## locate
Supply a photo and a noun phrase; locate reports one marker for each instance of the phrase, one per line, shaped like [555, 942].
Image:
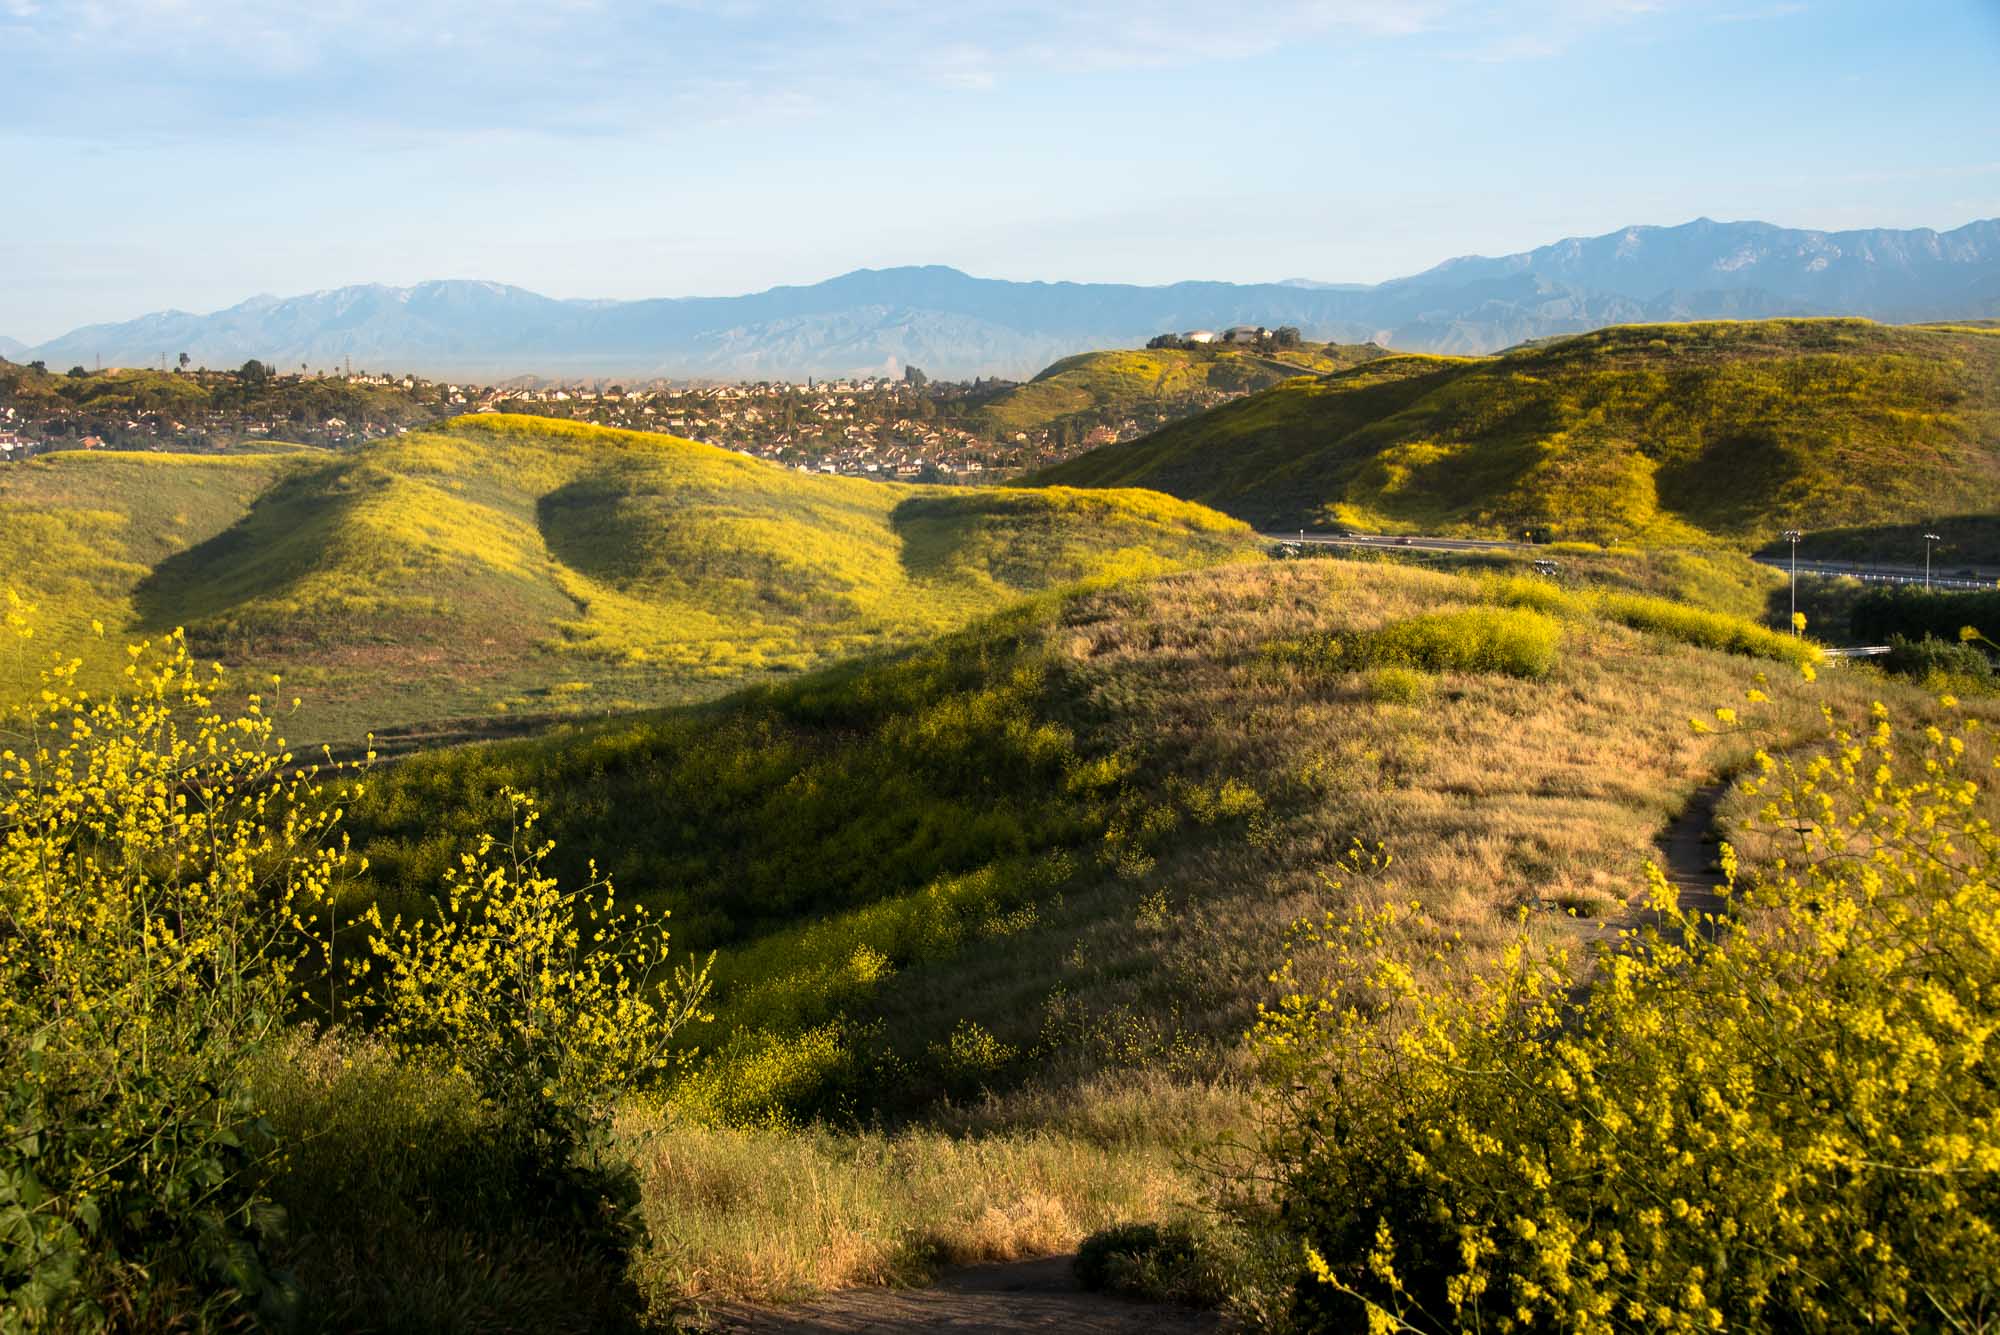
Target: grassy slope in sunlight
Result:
[1699, 433]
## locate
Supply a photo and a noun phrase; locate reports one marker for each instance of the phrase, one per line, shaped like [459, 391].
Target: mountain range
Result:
[952, 324]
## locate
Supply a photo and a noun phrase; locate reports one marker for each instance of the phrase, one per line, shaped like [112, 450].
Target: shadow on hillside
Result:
[1732, 481]
[933, 531]
[274, 543]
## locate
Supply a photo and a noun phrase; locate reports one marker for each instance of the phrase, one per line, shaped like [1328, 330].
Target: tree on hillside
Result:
[914, 375]
[77, 373]
[1287, 336]
[1164, 341]
[185, 359]
[254, 372]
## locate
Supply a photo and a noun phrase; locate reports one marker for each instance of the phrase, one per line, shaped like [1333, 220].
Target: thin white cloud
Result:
[594, 66]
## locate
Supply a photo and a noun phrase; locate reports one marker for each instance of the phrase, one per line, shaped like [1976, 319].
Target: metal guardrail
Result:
[1859, 651]
[1875, 577]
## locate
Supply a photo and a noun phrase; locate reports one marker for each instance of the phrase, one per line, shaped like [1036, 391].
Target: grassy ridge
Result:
[1657, 433]
[509, 563]
[1101, 384]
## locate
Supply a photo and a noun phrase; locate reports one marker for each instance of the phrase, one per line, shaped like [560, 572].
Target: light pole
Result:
[1929, 538]
[1792, 536]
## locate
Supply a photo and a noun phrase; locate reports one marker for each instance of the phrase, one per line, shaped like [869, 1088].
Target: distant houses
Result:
[1241, 335]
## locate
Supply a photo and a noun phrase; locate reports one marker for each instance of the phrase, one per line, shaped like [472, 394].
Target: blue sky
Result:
[189, 153]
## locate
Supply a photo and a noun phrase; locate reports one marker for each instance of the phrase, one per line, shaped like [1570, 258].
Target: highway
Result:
[1872, 572]
[1956, 576]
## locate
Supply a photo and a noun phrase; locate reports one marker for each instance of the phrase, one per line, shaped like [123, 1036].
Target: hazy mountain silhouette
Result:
[953, 324]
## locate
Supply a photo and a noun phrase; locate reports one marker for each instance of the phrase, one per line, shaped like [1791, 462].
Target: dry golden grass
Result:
[766, 1214]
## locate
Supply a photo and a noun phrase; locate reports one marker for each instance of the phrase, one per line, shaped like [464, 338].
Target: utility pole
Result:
[1929, 538]
[1792, 536]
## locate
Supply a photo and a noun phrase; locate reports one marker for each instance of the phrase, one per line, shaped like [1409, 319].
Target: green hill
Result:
[1655, 433]
[1015, 893]
[1095, 387]
[505, 563]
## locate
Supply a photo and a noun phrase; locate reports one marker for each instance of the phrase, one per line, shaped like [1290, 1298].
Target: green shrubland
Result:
[1881, 614]
[1659, 616]
[1662, 434]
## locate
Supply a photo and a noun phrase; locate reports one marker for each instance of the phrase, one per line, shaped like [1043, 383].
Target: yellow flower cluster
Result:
[170, 878]
[158, 862]
[1784, 1116]
[552, 1001]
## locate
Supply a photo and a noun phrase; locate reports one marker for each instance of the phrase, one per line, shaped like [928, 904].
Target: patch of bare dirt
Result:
[1009, 1299]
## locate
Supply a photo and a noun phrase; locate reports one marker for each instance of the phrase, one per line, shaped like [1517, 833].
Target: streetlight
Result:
[1792, 536]
[1929, 538]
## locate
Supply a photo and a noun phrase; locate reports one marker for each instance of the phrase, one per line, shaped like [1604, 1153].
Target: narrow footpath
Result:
[1010, 1299]
[1689, 850]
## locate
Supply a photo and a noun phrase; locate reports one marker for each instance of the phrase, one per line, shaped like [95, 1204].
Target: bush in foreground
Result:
[169, 881]
[1784, 1118]
[157, 865]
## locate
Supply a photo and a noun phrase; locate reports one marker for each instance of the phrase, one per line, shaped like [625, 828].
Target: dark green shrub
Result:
[1880, 615]
[1162, 1262]
[1921, 658]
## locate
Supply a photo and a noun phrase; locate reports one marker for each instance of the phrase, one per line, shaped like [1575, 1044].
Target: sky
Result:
[190, 153]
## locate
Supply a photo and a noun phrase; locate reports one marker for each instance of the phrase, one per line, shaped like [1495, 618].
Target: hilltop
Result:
[955, 325]
[1684, 433]
[1099, 388]
[505, 563]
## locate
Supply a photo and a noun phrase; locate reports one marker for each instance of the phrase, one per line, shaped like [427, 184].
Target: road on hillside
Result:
[1873, 572]
[1398, 542]
[1869, 572]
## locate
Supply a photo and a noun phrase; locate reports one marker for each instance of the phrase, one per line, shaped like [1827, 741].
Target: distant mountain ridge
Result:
[953, 324]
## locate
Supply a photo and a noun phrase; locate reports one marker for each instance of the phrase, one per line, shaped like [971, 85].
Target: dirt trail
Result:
[1688, 851]
[1010, 1299]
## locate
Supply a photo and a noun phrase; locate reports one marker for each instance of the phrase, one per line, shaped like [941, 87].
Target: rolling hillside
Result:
[1106, 386]
[507, 563]
[1653, 433]
[1014, 894]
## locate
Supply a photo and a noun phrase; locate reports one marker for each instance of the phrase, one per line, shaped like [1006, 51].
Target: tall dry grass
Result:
[776, 1213]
